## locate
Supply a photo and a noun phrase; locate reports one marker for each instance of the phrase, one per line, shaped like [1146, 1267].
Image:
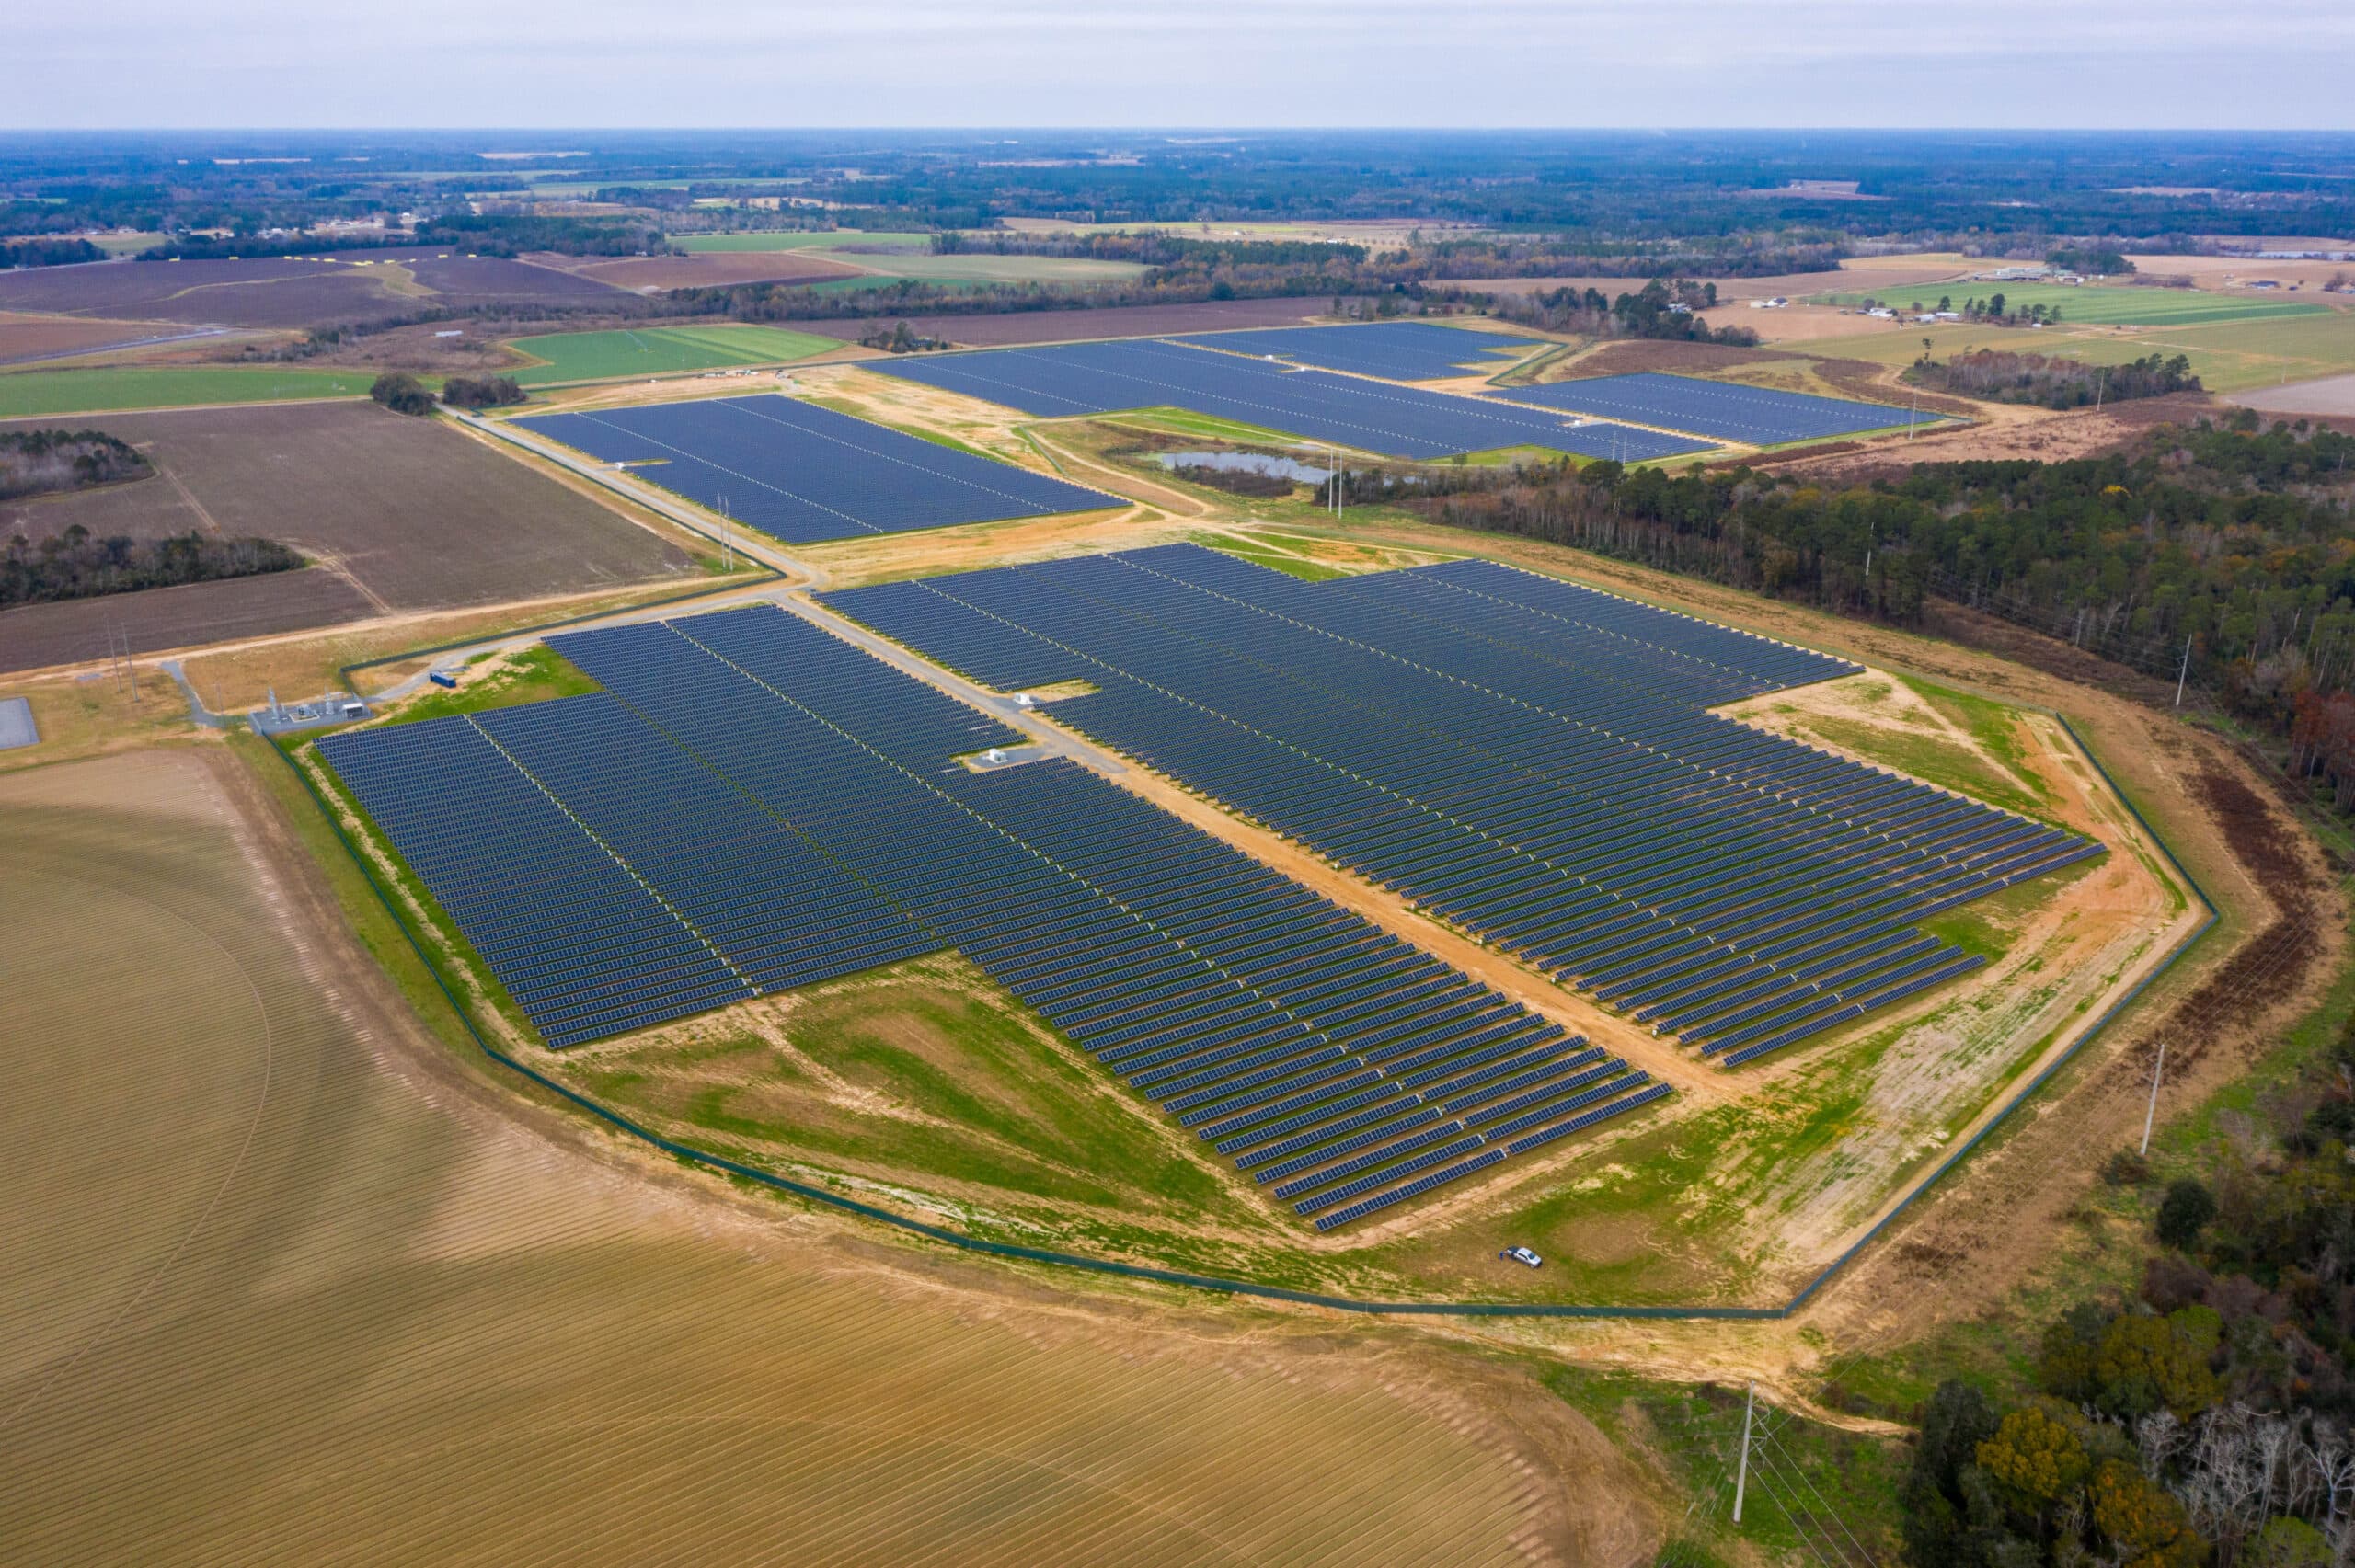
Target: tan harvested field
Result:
[400, 515]
[1071, 325]
[2332, 397]
[24, 336]
[705, 269]
[2233, 274]
[291, 1282]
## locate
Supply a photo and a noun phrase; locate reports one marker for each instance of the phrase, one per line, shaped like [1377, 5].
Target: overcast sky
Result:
[2123, 63]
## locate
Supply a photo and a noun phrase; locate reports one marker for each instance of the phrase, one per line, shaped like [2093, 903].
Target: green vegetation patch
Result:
[922, 1069]
[29, 393]
[536, 675]
[2091, 304]
[661, 350]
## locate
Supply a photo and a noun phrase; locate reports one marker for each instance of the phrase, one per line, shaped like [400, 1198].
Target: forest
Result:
[1997, 376]
[2212, 1409]
[2225, 553]
[77, 563]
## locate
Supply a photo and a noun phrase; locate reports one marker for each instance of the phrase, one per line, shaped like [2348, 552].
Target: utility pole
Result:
[2152, 1113]
[1742, 1474]
[2184, 673]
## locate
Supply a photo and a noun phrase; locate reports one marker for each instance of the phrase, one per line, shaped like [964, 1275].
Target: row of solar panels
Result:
[751, 804]
[804, 474]
[1418, 350]
[1349, 411]
[1482, 741]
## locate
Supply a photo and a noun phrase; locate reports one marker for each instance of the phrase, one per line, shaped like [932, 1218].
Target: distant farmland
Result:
[35, 393]
[799, 239]
[661, 350]
[2093, 306]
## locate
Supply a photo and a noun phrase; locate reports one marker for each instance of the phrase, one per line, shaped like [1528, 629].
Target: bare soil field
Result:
[410, 514]
[707, 269]
[78, 631]
[1071, 325]
[454, 278]
[262, 292]
[2331, 397]
[289, 1281]
[2231, 274]
[2002, 431]
[24, 336]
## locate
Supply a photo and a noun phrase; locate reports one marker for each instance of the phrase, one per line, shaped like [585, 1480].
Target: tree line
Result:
[76, 564]
[1996, 376]
[48, 253]
[2233, 545]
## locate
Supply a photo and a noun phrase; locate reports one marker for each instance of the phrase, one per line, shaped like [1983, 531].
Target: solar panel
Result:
[1529, 759]
[1396, 350]
[1759, 415]
[804, 474]
[751, 804]
[1403, 422]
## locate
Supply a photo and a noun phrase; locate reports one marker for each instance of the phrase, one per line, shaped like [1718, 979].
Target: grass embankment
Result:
[538, 674]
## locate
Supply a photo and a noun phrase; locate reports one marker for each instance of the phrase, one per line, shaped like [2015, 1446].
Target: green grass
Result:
[2092, 306]
[919, 1069]
[798, 239]
[661, 350]
[535, 676]
[36, 392]
[1291, 566]
[1182, 422]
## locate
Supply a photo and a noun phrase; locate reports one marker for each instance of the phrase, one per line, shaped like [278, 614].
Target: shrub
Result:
[2184, 1212]
[482, 392]
[402, 393]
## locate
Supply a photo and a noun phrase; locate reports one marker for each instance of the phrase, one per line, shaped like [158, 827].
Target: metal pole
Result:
[2152, 1113]
[1742, 1474]
[2184, 674]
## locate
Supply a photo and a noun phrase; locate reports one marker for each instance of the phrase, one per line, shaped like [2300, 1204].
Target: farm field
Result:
[660, 351]
[399, 514]
[274, 292]
[799, 239]
[263, 1179]
[26, 337]
[2231, 356]
[926, 267]
[33, 391]
[707, 268]
[1060, 326]
[2094, 305]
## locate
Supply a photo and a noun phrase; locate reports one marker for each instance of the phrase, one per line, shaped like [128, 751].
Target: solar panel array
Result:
[1529, 760]
[1761, 416]
[1405, 421]
[804, 474]
[1397, 351]
[752, 803]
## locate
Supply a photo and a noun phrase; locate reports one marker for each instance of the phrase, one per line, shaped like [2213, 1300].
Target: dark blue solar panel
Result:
[752, 803]
[1403, 421]
[1532, 760]
[804, 474]
[1759, 415]
[1397, 350]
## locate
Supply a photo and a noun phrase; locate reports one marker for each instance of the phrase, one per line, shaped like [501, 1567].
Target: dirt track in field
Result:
[290, 1280]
